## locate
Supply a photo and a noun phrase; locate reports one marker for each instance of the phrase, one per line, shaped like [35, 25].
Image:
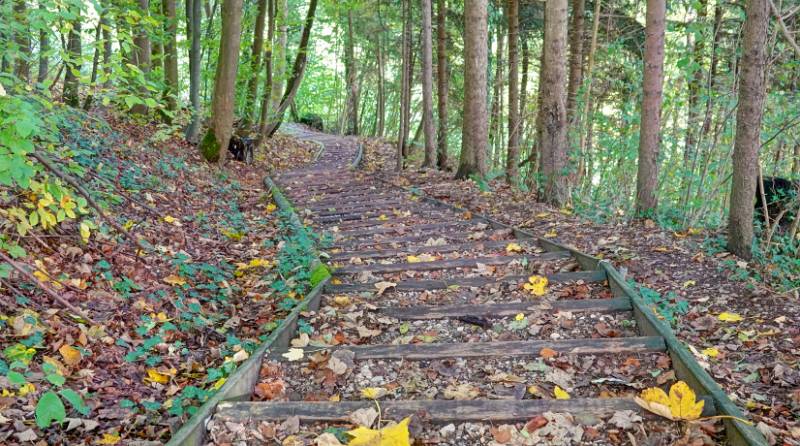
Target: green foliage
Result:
[49, 409]
[319, 274]
[209, 147]
[666, 307]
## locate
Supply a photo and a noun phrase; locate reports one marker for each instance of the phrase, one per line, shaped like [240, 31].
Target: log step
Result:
[422, 352]
[418, 249]
[446, 264]
[402, 229]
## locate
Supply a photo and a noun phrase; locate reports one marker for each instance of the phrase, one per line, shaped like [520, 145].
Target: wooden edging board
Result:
[738, 433]
[239, 385]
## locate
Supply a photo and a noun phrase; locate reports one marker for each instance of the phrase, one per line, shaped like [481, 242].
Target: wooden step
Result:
[422, 352]
[480, 245]
[422, 285]
[427, 312]
[452, 235]
[446, 264]
[435, 411]
[402, 229]
[346, 205]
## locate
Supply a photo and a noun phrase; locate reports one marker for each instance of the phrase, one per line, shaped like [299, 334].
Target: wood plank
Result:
[435, 411]
[481, 245]
[372, 217]
[427, 312]
[452, 235]
[422, 285]
[445, 264]
[402, 229]
[387, 209]
[421, 352]
[345, 204]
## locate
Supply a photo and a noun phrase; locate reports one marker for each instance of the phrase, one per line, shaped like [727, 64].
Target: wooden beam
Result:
[481, 245]
[420, 352]
[445, 264]
[403, 229]
[426, 312]
[422, 285]
[435, 411]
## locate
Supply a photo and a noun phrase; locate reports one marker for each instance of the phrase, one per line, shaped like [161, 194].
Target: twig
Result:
[786, 34]
[72, 182]
[45, 288]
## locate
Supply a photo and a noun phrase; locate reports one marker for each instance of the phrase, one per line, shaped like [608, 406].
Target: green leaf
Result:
[56, 379]
[319, 274]
[16, 378]
[49, 409]
[76, 401]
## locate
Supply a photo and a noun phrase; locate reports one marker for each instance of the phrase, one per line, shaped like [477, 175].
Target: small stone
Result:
[448, 430]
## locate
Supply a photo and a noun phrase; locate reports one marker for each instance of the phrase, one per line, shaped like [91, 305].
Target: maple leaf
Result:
[513, 247]
[109, 439]
[294, 354]
[711, 352]
[383, 217]
[174, 279]
[271, 207]
[373, 393]
[383, 286]
[396, 435]
[157, 376]
[71, 355]
[537, 285]
[680, 404]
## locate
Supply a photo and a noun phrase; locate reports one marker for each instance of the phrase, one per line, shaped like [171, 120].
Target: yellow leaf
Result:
[680, 404]
[396, 435]
[219, 383]
[341, 301]
[85, 232]
[711, 352]
[542, 214]
[730, 317]
[155, 376]
[383, 217]
[294, 354]
[71, 355]
[689, 283]
[373, 393]
[537, 285]
[513, 247]
[109, 439]
[26, 389]
[172, 220]
[271, 207]
[41, 276]
[560, 393]
[161, 317]
[173, 279]
[551, 234]
[519, 317]
[413, 259]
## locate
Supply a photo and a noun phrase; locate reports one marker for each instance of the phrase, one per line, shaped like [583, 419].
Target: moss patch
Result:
[209, 147]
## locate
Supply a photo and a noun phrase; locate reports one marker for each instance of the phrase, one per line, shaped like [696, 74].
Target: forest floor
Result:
[746, 335]
[163, 324]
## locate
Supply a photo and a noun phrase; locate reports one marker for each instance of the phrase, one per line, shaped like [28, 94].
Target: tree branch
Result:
[786, 34]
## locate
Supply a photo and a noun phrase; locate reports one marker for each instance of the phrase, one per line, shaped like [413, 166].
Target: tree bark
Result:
[748, 129]
[351, 77]
[575, 58]
[512, 158]
[279, 53]
[73, 64]
[297, 70]
[269, 86]
[87, 103]
[255, 62]
[650, 128]
[143, 52]
[405, 85]
[44, 48]
[523, 87]
[107, 48]
[442, 82]
[588, 99]
[554, 112]
[496, 126]
[194, 18]
[215, 144]
[475, 133]
[427, 85]
[22, 65]
[380, 125]
[171, 55]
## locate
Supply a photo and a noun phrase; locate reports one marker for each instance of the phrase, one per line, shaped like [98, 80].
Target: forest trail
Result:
[479, 332]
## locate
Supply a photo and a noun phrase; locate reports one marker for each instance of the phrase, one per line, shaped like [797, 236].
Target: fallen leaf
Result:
[373, 393]
[341, 301]
[537, 285]
[680, 404]
[560, 393]
[294, 354]
[513, 247]
[547, 353]
[711, 352]
[173, 279]
[109, 439]
[71, 355]
[383, 286]
[327, 439]
[730, 317]
[395, 435]
[364, 416]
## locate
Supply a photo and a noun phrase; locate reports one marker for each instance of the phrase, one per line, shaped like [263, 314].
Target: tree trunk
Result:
[380, 125]
[536, 153]
[87, 103]
[269, 86]
[73, 63]
[523, 87]
[475, 133]
[650, 127]
[297, 70]
[279, 53]
[194, 17]
[442, 82]
[496, 126]
[554, 112]
[107, 48]
[575, 58]
[22, 68]
[405, 85]
[584, 147]
[255, 62]
[512, 158]
[748, 129]
[427, 85]
[44, 48]
[215, 144]
[143, 52]
[171, 55]
[351, 77]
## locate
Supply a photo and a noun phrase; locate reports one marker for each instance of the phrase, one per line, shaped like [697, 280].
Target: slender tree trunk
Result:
[256, 54]
[405, 85]
[587, 96]
[575, 58]
[748, 129]
[171, 54]
[194, 18]
[351, 75]
[475, 133]
[269, 86]
[523, 87]
[496, 126]
[107, 48]
[554, 111]
[279, 53]
[512, 158]
[44, 49]
[427, 84]
[442, 82]
[536, 155]
[87, 103]
[22, 68]
[297, 70]
[380, 125]
[650, 128]
[215, 143]
[73, 64]
[143, 52]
